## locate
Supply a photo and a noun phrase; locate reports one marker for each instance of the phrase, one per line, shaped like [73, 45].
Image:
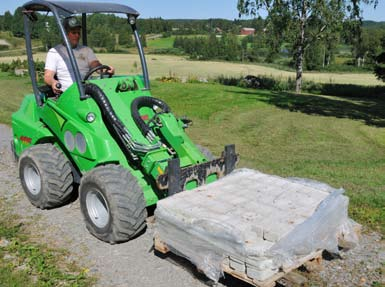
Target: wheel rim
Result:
[97, 208]
[32, 179]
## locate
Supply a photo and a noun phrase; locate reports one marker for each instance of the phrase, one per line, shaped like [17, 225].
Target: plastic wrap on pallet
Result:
[207, 242]
[312, 183]
[319, 232]
[198, 241]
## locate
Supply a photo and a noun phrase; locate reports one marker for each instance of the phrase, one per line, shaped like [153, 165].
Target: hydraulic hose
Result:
[104, 104]
[115, 124]
[149, 102]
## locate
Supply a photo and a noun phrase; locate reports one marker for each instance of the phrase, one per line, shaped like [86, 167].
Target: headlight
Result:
[90, 117]
[131, 19]
[69, 140]
[80, 143]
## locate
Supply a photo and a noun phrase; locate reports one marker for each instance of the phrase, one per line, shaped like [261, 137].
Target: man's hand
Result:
[49, 79]
[56, 87]
[97, 63]
[111, 71]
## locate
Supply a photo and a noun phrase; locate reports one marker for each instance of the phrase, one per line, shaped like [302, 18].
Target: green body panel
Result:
[173, 132]
[27, 129]
[63, 122]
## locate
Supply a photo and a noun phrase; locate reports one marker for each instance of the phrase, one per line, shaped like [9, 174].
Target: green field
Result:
[339, 141]
[161, 43]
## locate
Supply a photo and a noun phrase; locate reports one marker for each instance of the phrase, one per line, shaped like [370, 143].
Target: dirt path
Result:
[135, 264]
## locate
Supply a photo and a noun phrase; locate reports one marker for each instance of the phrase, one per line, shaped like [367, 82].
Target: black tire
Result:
[46, 176]
[206, 152]
[112, 204]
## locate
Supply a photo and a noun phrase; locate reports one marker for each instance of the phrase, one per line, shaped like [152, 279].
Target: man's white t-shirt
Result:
[57, 60]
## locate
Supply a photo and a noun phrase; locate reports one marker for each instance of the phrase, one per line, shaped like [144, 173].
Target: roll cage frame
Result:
[61, 10]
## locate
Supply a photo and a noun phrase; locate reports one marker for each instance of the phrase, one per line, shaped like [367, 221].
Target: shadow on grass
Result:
[351, 91]
[370, 110]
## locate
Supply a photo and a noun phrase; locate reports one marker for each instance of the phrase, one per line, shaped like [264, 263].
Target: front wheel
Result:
[112, 204]
[46, 176]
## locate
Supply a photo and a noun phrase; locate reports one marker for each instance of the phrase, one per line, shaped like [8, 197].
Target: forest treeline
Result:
[219, 39]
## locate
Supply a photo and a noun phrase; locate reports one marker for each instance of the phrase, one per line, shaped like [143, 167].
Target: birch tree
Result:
[302, 22]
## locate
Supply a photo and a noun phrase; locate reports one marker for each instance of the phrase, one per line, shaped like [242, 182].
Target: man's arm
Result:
[50, 81]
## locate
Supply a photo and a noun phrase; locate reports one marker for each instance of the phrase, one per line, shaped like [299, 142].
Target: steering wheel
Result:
[102, 72]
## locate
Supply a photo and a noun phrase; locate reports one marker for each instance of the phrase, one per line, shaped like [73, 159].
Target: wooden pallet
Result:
[313, 260]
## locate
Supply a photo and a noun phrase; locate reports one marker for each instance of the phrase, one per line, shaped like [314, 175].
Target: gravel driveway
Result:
[135, 264]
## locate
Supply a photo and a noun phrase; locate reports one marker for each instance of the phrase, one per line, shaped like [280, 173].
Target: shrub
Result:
[169, 79]
[282, 84]
[18, 64]
[379, 69]
[258, 82]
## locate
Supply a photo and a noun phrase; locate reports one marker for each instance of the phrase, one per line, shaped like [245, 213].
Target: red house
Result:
[247, 31]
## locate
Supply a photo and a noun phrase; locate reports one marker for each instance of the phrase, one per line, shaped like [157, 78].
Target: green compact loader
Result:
[106, 135]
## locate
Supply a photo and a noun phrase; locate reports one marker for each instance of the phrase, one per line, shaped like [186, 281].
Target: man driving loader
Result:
[57, 61]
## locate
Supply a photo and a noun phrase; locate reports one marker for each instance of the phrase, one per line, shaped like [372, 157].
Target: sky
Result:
[197, 9]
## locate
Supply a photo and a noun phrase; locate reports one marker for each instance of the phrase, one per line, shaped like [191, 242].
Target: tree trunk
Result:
[324, 58]
[299, 69]
[300, 49]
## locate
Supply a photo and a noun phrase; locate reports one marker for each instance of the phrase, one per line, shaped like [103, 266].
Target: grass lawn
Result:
[12, 92]
[340, 141]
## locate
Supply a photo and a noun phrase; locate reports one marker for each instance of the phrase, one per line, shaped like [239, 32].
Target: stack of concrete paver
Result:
[252, 222]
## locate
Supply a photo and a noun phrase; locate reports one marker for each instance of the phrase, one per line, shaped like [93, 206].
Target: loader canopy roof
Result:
[69, 8]
[64, 9]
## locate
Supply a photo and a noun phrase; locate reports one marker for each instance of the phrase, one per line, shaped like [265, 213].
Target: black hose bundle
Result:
[149, 102]
[111, 120]
[104, 104]
[115, 125]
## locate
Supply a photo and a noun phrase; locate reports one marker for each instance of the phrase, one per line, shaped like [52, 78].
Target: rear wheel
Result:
[112, 203]
[46, 176]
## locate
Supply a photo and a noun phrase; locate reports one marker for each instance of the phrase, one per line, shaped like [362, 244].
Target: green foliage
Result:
[367, 45]
[154, 25]
[274, 41]
[258, 82]
[226, 47]
[302, 23]
[125, 38]
[17, 26]
[8, 19]
[47, 31]
[19, 64]
[314, 57]
[143, 40]
[279, 84]
[101, 37]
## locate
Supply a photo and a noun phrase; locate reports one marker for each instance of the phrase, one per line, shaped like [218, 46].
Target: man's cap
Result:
[71, 23]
